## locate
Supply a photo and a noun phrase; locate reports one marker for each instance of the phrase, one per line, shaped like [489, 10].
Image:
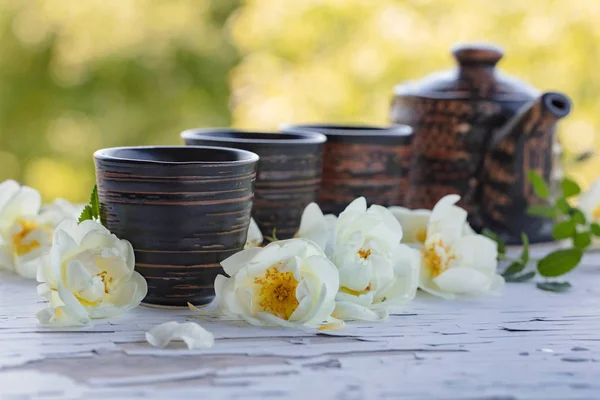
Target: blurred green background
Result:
[76, 76]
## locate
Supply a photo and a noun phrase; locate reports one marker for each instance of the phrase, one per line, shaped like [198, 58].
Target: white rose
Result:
[376, 271]
[414, 225]
[287, 283]
[24, 238]
[453, 263]
[88, 274]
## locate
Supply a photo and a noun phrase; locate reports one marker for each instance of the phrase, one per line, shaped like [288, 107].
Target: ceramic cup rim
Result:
[107, 154]
[350, 130]
[217, 134]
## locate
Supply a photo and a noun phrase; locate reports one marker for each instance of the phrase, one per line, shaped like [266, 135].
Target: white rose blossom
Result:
[287, 283]
[26, 228]
[377, 272]
[453, 263]
[23, 237]
[414, 224]
[88, 274]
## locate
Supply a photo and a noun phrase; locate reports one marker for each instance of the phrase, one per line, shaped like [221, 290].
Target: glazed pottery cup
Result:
[288, 177]
[364, 161]
[184, 210]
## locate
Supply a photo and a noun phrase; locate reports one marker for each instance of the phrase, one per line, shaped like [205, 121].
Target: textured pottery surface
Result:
[184, 210]
[361, 161]
[288, 177]
[476, 133]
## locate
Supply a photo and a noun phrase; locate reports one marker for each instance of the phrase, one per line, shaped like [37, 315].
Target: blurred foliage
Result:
[338, 60]
[76, 76]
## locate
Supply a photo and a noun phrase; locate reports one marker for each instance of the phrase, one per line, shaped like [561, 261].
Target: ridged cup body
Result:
[362, 161]
[184, 210]
[288, 177]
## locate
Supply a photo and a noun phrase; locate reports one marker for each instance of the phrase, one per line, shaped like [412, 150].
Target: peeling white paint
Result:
[525, 344]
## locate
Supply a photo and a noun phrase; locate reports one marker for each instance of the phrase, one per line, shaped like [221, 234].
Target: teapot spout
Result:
[524, 143]
[533, 119]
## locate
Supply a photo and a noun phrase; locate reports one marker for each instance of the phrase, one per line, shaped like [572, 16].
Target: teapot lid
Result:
[474, 78]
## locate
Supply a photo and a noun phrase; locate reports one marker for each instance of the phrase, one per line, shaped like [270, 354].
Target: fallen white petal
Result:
[194, 336]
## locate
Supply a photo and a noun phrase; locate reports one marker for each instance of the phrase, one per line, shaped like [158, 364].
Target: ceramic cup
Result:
[184, 210]
[288, 177]
[364, 161]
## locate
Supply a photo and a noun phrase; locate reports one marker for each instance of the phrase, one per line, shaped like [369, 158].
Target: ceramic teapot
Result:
[477, 133]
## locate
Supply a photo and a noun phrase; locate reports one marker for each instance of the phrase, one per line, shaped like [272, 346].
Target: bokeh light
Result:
[78, 76]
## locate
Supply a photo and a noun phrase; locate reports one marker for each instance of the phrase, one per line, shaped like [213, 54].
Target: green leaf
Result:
[520, 278]
[494, 236]
[554, 286]
[578, 217]
[582, 240]
[525, 252]
[559, 262]
[513, 269]
[542, 211]
[95, 202]
[563, 206]
[570, 188]
[595, 229]
[563, 230]
[92, 210]
[85, 214]
[539, 184]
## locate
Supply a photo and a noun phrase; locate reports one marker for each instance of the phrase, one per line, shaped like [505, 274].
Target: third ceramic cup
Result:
[289, 172]
[367, 161]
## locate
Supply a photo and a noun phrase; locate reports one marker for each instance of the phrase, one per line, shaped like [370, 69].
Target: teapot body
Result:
[477, 133]
[450, 138]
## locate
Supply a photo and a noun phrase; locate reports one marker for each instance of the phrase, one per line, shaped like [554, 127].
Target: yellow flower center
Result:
[596, 213]
[364, 254]
[277, 293]
[20, 246]
[433, 261]
[421, 236]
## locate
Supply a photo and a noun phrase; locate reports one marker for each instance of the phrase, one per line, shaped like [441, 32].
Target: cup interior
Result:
[176, 154]
[238, 136]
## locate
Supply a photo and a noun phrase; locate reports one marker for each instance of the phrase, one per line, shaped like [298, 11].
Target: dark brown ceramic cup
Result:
[184, 210]
[359, 161]
[288, 177]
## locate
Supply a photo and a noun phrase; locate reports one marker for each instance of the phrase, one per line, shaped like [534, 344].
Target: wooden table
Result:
[527, 344]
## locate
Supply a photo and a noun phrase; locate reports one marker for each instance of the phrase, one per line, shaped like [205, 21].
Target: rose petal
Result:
[26, 202]
[232, 264]
[348, 311]
[194, 336]
[462, 280]
[254, 237]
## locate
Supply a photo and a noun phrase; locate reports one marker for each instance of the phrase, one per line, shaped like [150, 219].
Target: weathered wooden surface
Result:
[527, 344]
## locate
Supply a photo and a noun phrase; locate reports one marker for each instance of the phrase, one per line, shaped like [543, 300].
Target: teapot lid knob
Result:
[474, 54]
